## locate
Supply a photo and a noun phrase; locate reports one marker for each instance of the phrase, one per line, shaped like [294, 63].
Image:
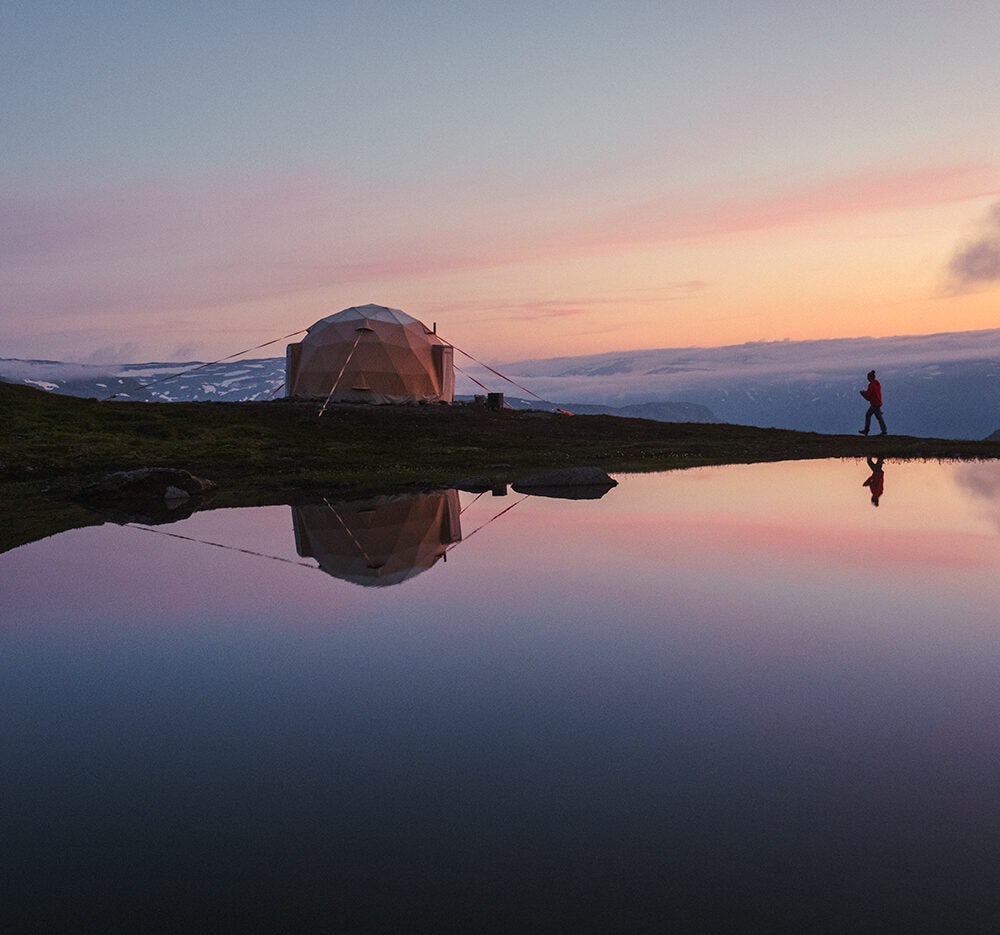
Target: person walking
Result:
[874, 396]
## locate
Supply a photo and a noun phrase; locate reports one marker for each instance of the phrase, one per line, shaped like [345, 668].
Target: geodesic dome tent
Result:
[370, 353]
[379, 542]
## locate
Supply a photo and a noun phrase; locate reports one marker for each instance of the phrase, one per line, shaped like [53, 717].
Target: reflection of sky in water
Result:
[714, 695]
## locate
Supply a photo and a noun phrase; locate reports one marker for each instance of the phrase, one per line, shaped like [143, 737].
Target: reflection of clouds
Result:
[982, 481]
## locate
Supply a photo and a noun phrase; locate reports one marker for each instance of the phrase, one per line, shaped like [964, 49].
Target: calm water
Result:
[720, 700]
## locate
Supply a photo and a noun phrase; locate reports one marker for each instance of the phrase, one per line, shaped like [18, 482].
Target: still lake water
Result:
[735, 699]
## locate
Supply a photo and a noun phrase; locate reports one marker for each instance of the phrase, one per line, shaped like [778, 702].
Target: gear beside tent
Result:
[373, 354]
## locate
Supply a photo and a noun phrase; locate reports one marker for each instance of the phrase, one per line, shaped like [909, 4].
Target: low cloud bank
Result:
[943, 386]
[774, 359]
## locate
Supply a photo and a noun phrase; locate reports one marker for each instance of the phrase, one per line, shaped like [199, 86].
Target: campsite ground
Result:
[273, 452]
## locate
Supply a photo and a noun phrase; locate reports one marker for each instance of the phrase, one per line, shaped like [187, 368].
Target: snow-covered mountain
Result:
[72, 379]
[942, 385]
[233, 381]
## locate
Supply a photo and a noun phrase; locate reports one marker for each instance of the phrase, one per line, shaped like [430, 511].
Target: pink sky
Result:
[650, 179]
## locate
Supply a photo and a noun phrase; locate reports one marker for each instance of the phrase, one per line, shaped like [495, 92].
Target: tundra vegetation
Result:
[54, 447]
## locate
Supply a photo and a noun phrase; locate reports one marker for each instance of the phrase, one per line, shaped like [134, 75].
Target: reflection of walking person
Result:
[874, 396]
[877, 481]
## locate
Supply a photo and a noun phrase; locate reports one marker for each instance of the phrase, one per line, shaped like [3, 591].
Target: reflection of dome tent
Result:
[370, 353]
[382, 541]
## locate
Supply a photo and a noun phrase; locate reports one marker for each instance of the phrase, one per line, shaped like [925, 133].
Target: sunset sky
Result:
[184, 180]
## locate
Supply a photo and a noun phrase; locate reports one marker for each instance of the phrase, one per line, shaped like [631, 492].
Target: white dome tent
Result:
[373, 354]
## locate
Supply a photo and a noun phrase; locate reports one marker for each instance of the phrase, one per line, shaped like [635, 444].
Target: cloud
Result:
[977, 263]
[535, 311]
[113, 353]
[569, 307]
[583, 230]
[187, 351]
[982, 482]
[673, 218]
[168, 245]
[148, 251]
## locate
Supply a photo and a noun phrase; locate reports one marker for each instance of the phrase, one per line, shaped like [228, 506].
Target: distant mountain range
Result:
[943, 385]
[249, 380]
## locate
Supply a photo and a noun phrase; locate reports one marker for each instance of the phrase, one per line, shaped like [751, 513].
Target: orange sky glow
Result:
[651, 179]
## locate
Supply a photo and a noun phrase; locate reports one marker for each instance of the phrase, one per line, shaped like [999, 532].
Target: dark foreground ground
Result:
[52, 447]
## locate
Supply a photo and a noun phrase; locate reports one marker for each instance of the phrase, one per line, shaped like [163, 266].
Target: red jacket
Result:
[876, 482]
[874, 393]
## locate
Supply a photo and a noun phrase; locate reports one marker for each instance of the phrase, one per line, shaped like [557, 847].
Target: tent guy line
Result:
[388, 356]
[506, 509]
[499, 374]
[361, 549]
[221, 545]
[336, 382]
[212, 363]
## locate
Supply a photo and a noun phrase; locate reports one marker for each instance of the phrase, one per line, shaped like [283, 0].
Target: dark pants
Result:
[877, 412]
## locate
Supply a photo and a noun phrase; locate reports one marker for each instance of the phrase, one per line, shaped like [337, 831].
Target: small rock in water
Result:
[579, 483]
[148, 484]
[567, 477]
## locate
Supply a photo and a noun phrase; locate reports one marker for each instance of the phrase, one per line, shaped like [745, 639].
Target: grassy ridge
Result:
[51, 446]
[284, 445]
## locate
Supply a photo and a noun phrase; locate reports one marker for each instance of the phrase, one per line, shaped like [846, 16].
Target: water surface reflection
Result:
[876, 483]
[382, 541]
[691, 706]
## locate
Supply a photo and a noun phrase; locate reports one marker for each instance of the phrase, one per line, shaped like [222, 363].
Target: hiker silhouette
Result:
[874, 396]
